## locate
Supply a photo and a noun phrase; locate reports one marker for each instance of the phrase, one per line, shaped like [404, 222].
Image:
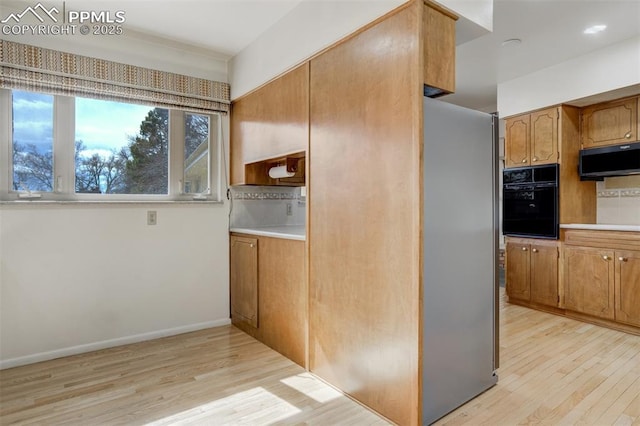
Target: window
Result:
[32, 142]
[88, 149]
[196, 154]
[121, 148]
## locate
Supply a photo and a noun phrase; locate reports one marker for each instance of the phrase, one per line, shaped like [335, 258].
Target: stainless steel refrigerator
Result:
[460, 328]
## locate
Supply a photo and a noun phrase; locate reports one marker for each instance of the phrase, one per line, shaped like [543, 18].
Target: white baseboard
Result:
[89, 347]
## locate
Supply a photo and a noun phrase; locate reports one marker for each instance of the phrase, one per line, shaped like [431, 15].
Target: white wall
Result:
[307, 29]
[98, 275]
[79, 277]
[133, 48]
[479, 12]
[314, 25]
[603, 70]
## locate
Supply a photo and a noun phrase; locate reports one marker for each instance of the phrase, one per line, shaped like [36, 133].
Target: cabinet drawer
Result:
[616, 240]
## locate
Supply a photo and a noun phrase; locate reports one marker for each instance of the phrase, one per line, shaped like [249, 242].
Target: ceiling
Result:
[551, 32]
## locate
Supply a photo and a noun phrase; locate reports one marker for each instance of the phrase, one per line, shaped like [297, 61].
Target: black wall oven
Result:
[530, 201]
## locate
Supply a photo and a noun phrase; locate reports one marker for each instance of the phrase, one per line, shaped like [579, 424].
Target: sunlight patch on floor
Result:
[248, 407]
[306, 384]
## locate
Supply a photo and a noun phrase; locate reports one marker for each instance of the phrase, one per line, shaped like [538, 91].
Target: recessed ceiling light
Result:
[595, 29]
[512, 42]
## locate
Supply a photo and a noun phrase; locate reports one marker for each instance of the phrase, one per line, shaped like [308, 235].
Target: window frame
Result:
[64, 157]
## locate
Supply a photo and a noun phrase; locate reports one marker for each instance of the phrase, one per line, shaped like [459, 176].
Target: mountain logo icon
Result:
[38, 11]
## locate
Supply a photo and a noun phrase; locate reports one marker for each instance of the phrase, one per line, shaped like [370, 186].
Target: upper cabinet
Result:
[544, 137]
[439, 44]
[610, 123]
[532, 139]
[270, 123]
[517, 141]
[547, 136]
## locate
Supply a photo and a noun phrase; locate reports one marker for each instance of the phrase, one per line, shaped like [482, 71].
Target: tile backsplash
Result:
[617, 205]
[256, 206]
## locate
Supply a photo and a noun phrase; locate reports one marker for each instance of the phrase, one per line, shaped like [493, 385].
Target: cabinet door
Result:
[517, 275]
[244, 280]
[517, 141]
[283, 297]
[544, 137]
[610, 123]
[270, 122]
[544, 275]
[589, 281]
[628, 287]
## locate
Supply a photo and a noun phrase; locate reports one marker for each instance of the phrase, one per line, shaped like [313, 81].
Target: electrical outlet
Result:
[152, 217]
[289, 209]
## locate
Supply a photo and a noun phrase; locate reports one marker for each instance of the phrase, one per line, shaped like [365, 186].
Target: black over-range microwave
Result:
[616, 160]
[530, 201]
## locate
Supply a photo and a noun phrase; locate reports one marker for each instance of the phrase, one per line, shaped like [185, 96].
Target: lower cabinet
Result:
[589, 281]
[532, 270]
[244, 280]
[268, 280]
[627, 287]
[602, 276]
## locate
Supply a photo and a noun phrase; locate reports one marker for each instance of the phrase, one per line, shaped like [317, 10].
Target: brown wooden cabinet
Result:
[532, 271]
[601, 277]
[547, 136]
[627, 287]
[283, 297]
[270, 122]
[363, 95]
[518, 275]
[544, 137]
[244, 281]
[589, 281]
[544, 274]
[517, 141]
[269, 292]
[439, 46]
[532, 139]
[610, 123]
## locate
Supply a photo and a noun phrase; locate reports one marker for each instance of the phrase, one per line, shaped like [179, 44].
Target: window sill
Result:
[107, 202]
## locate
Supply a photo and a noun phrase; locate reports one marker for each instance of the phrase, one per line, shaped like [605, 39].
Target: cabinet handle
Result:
[524, 249]
[535, 250]
[524, 160]
[535, 159]
[628, 135]
[606, 257]
[622, 259]
[251, 245]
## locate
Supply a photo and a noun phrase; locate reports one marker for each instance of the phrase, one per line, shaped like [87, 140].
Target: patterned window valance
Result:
[33, 68]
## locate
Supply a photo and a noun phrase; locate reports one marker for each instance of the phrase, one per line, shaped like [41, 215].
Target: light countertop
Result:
[289, 232]
[601, 227]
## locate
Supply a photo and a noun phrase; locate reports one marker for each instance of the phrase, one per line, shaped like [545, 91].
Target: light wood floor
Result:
[557, 371]
[553, 371]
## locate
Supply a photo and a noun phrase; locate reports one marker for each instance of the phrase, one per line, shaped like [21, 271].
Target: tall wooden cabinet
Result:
[610, 123]
[362, 116]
